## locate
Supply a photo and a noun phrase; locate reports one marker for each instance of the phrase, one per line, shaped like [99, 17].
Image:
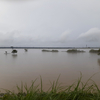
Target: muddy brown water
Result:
[27, 66]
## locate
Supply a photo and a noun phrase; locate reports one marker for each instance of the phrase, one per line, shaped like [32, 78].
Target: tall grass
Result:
[77, 91]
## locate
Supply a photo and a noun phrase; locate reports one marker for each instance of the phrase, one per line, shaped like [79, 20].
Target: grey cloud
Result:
[17, 38]
[16, 0]
[41, 22]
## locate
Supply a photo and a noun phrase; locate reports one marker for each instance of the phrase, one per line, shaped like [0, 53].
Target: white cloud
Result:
[92, 35]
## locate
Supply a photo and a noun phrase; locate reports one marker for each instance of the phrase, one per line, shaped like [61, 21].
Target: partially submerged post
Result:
[26, 50]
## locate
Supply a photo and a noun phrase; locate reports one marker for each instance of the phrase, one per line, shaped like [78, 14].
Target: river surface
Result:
[27, 66]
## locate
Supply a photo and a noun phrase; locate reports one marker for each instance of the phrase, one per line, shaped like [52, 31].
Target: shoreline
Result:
[49, 47]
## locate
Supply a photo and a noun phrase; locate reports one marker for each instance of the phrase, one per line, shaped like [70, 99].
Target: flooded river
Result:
[27, 66]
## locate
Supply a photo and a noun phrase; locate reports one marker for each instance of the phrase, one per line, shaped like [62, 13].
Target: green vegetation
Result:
[46, 50]
[14, 51]
[76, 91]
[50, 50]
[75, 51]
[94, 51]
[54, 51]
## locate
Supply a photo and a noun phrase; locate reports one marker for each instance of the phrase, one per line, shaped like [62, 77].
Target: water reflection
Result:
[14, 55]
[99, 62]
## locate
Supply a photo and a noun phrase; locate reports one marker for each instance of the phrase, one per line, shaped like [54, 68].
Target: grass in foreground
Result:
[76, 91]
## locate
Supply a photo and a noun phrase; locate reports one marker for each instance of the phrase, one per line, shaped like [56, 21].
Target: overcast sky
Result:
[50, 22]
